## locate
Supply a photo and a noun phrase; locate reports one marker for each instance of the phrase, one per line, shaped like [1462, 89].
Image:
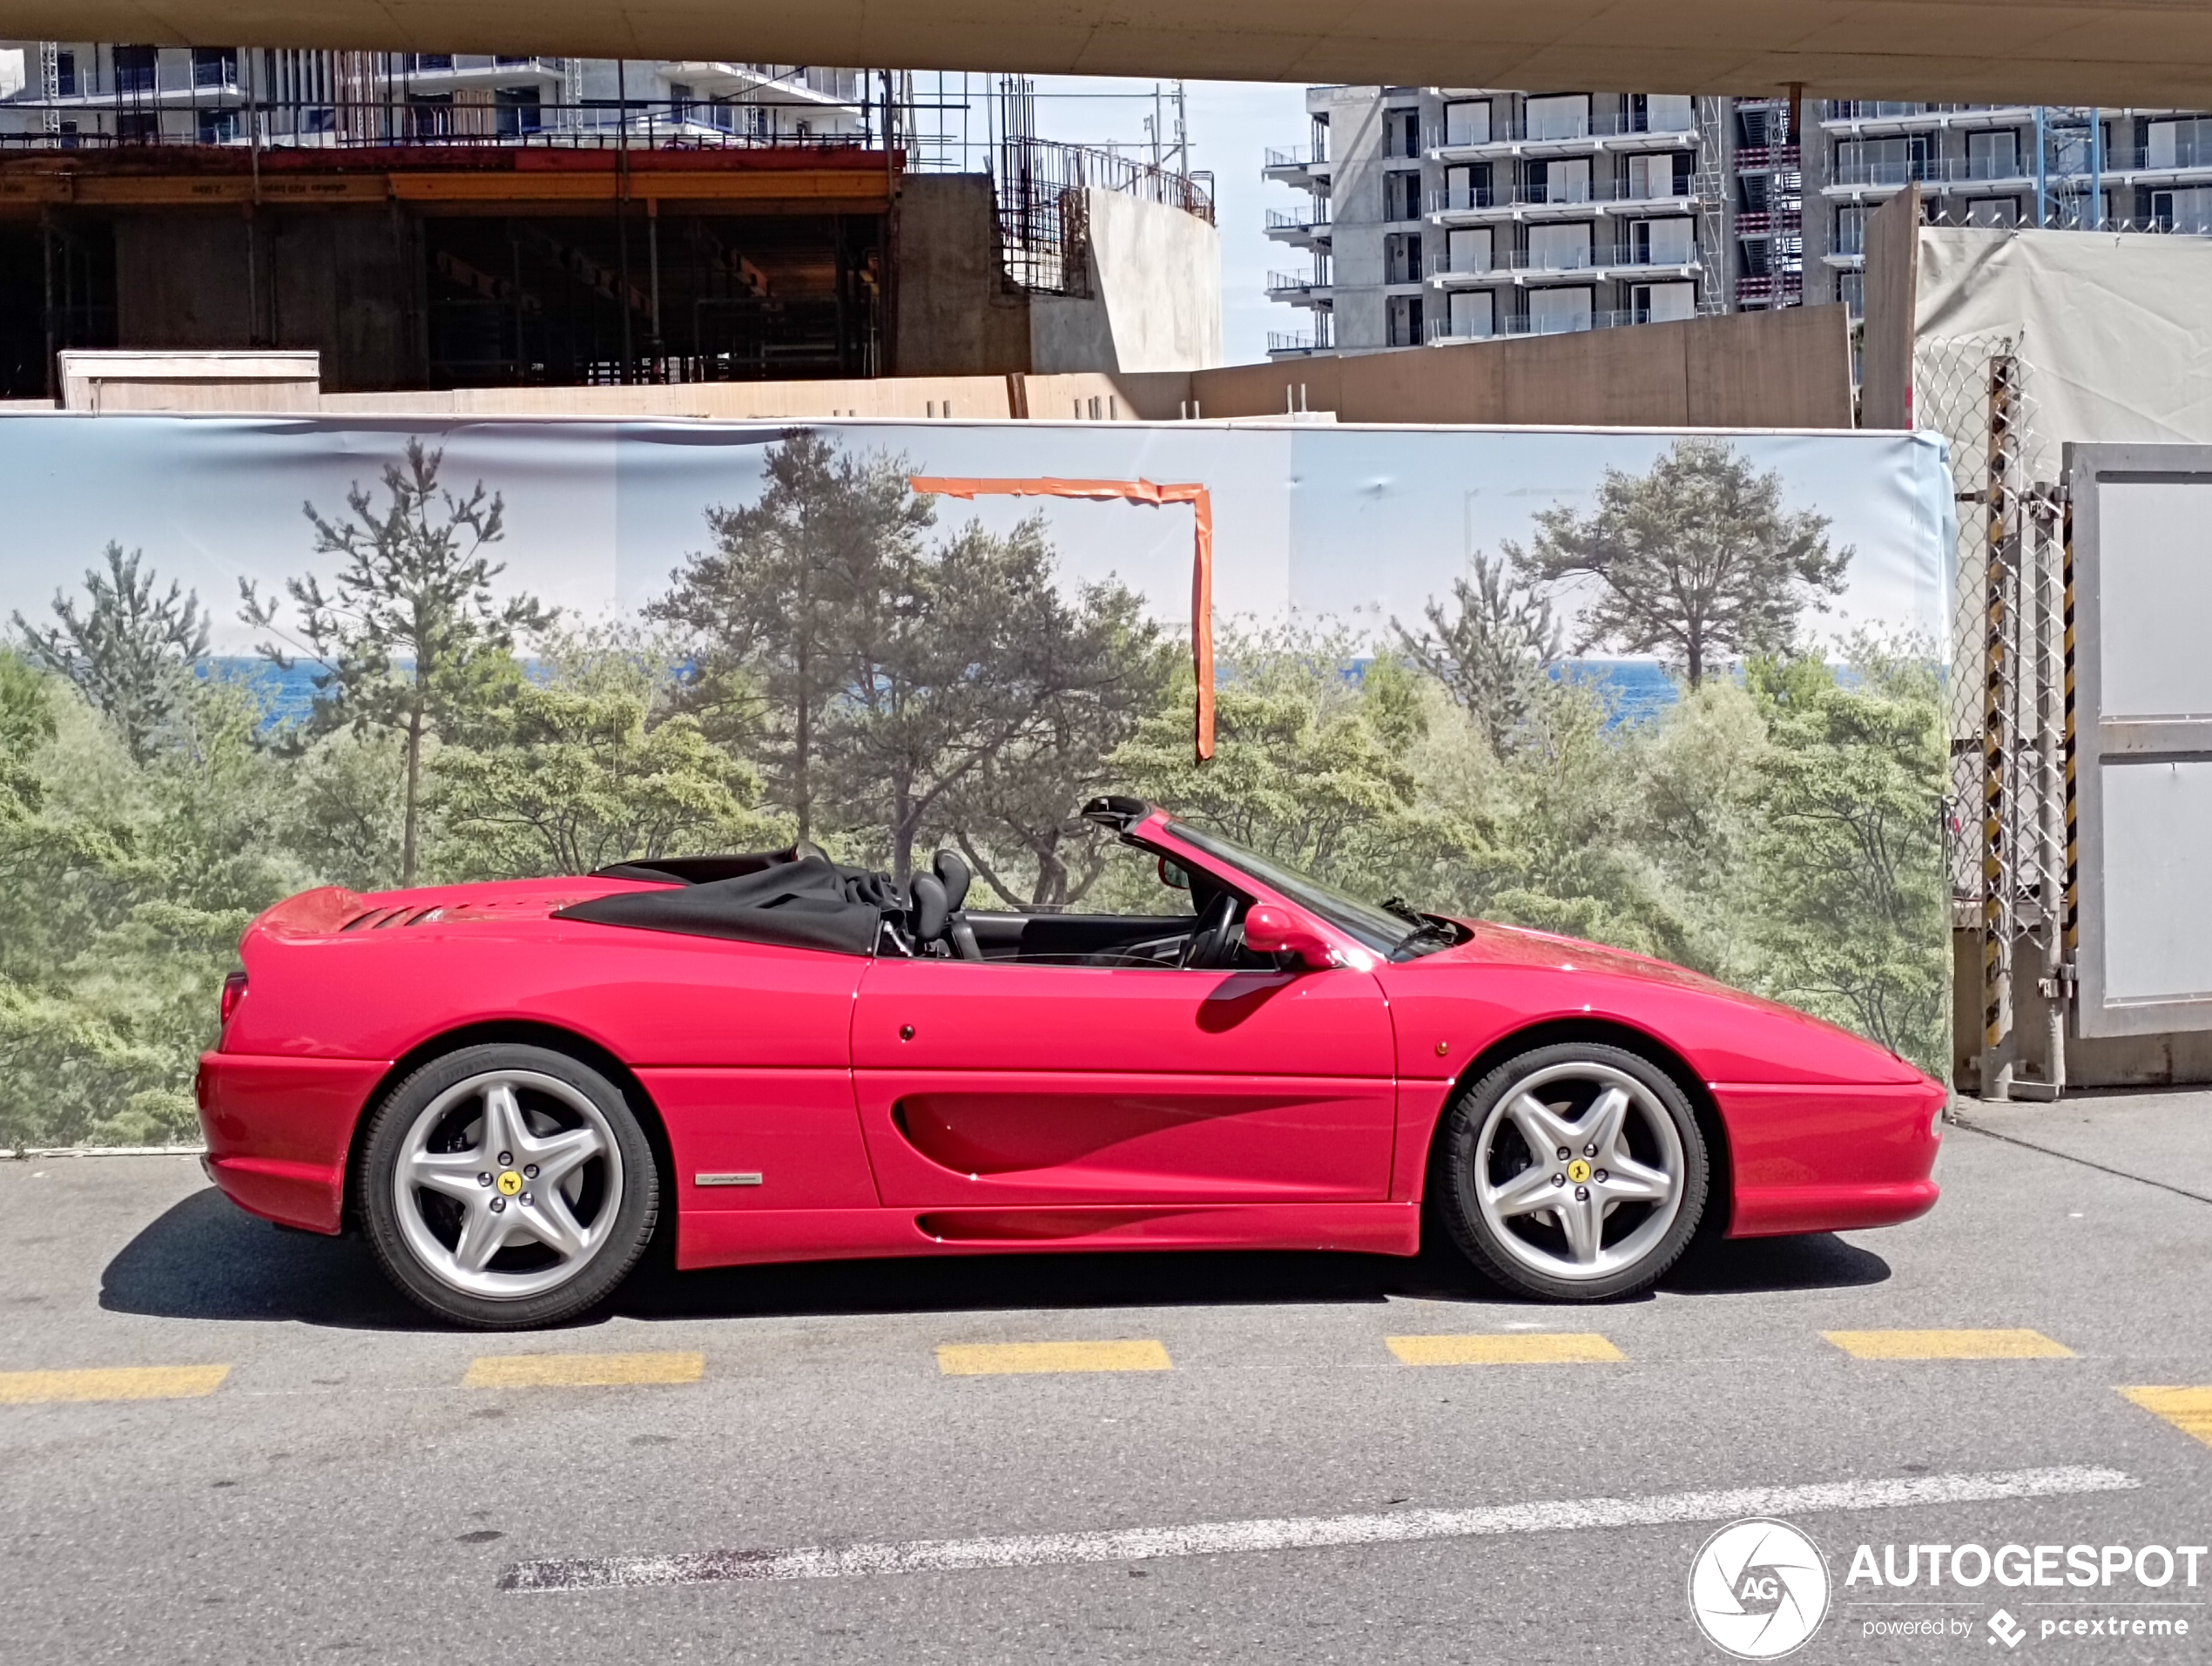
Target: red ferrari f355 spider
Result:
[507, 1086]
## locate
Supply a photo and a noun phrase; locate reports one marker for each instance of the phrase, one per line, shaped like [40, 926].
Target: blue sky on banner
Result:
[1353, 523]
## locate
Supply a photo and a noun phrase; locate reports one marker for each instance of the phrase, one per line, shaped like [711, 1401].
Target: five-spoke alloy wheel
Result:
[1574, 1172]
[508, 1186]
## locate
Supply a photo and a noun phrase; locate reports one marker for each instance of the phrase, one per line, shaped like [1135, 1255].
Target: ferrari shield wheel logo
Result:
[509, 1184]
[1758, 1589]
[1578, 1172]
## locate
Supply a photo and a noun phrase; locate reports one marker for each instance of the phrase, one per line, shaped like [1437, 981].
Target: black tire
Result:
[552, 1098]
[1520, 1240]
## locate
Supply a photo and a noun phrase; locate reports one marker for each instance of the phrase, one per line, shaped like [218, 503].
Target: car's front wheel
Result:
[507, 1186]
[1574, 1172]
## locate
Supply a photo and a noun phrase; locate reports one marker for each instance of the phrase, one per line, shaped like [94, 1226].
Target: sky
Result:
[1231, 126]
[1323, 523]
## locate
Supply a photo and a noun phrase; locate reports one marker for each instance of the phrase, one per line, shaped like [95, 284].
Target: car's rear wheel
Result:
[507, 1186]
[1574, 1172]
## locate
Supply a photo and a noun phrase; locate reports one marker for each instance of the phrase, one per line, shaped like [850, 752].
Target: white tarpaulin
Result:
[2111, 326]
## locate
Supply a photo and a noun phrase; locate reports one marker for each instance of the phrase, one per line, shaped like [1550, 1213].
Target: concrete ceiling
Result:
[2140, 52]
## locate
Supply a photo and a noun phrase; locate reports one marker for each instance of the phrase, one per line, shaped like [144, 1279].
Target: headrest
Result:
[952, 874]
[930, 910]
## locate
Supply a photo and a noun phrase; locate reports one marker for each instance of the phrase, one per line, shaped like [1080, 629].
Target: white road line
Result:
[1294, 1532]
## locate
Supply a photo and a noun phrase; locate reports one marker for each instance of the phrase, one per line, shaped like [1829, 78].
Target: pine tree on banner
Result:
[133, 651]
[765, 611]
[1492, 648]
[1696, 559]
[408, 635]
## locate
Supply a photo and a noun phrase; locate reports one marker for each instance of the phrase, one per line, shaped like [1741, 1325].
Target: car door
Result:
[996, 1083]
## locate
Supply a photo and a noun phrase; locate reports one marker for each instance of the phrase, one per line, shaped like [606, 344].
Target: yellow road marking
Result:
[2189, 1410]
[1948, 1345]
[1536, 1348]
[1004, 1358]
[126, 1382]
[582, 1370]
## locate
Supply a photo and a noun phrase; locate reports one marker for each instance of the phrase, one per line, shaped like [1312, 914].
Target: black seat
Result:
[927, 917]
[953, 874]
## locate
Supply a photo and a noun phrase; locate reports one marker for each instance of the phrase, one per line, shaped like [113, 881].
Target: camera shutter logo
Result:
[1758, 1589]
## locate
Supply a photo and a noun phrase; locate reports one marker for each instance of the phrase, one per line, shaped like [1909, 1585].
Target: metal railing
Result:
[2014, 167]
[1318, 340]
[1601, 258]
[1298, 219]
[1445, 199]
[1295, 156]
[1572, 324]
[687, 123]
[1044, 212]
[1294, 283]
[1561, 128]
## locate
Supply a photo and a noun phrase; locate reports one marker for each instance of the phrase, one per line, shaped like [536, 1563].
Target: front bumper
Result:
[279, 1131]
[1831, 1158]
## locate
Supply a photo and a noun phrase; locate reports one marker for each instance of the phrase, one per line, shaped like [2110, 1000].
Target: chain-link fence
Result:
[2005, 814]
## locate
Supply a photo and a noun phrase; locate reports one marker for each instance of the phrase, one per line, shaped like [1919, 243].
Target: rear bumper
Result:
[279, 1130]
[1830, 1158]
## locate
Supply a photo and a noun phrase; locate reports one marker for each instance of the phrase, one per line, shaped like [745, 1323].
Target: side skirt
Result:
[733, 1237]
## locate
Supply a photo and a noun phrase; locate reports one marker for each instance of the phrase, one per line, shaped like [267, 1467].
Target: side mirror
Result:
[1272, 930]
[1175, 878]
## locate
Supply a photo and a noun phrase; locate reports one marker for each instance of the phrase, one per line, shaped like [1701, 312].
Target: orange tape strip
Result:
[1133, 491]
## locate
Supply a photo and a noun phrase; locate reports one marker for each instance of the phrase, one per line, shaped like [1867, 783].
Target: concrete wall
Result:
[1787, 369]
[350, 285]
[180, 281]
[347, 285]
[1154, 301]
[1885, 351]
[956, 314]
[1070, 334]
[1159, 272]
[195, 381]
[908, 398]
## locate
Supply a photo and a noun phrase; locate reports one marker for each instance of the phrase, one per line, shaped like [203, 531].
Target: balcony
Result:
[782, 83]
[1306, 228]
[1305, 167]
[422, 71]
[1564, 136]
[1480, 205]
[1439, 330]
[1602, 264]
[1295, 289]
[1299, 345]
[1846, 117]
[441, 120]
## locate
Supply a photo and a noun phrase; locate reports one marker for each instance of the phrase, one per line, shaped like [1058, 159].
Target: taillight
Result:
[233, 992]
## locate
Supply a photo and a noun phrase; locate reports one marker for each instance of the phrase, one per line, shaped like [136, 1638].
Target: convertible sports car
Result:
[506, 1086]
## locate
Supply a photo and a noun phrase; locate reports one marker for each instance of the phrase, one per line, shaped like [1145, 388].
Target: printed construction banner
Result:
[1678, 692]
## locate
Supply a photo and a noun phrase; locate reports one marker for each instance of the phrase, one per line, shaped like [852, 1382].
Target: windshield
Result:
[1377, 928]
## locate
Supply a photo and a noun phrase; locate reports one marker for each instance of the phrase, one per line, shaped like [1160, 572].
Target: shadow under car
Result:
[205, 1258]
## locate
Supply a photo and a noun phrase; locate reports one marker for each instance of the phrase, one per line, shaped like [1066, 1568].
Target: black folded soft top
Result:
[796, 898]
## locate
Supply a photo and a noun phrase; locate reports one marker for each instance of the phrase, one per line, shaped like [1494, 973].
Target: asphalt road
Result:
[356, 1485]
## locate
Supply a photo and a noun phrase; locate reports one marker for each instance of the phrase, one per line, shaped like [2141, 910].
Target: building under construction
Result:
[459, 223]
